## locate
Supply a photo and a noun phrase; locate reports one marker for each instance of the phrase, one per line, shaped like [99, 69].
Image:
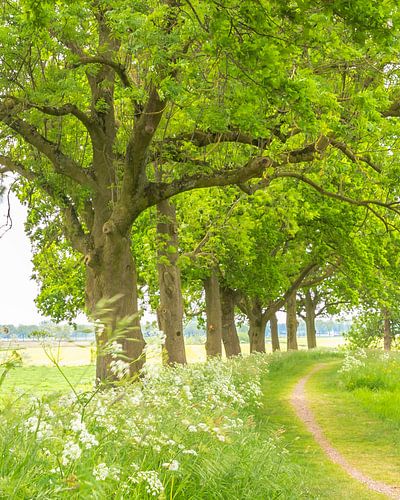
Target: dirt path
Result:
[298, 399]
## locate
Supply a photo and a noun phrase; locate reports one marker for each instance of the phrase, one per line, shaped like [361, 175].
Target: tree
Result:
[170, 309]
[224, 93]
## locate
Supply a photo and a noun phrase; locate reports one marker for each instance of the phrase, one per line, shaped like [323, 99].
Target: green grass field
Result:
[80, 353]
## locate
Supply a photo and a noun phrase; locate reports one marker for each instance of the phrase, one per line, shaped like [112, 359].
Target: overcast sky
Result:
[17, 290]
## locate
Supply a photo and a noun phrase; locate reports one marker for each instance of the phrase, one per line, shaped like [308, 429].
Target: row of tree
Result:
[109, 109]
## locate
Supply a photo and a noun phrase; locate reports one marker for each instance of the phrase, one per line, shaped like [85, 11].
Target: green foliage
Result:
[367, 330]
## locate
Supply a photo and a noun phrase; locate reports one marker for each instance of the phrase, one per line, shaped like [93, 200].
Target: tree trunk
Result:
[291, 323]
[257, 325]
[170, 310]
[214, 316]
[387, 333]
[111, 299]
[273, 323]
[310, 321]
[229, 333]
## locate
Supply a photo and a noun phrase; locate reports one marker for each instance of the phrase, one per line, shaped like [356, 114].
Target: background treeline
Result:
[192, 331]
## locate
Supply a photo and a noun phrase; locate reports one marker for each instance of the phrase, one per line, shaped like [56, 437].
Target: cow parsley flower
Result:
[174, 465]
[71, 452]
[101, 472]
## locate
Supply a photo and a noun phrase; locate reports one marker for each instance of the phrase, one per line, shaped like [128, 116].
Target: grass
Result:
[317, 475]
[47, 379]
[80, 353]
[366, 441]
[362, 423]
[189, 433]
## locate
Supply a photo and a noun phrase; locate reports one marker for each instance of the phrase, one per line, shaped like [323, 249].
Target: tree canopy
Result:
[98, 98]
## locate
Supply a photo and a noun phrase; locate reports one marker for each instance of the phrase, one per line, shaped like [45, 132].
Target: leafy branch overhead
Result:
[109, 108]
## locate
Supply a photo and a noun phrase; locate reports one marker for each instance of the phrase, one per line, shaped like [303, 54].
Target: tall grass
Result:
[374, 379]
[182, 433]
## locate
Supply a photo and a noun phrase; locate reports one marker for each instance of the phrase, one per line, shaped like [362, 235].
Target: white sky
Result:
[17, 290]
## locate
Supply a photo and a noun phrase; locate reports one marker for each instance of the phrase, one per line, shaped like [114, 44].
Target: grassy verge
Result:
[355, 422]
[317, 476]
[188, 433]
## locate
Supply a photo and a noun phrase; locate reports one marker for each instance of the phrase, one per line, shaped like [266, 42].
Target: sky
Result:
[17, 290]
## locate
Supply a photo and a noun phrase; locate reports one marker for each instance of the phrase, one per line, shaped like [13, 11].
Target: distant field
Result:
[80, 353]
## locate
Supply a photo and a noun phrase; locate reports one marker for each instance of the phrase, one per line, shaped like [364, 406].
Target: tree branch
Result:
[354, 157]
[362, 203]
[66, 109]
[63, 165]
[72, 227]
[119, 69]
[201, 139]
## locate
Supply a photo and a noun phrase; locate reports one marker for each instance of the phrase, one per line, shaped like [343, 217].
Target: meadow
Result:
[217, 430]
[82, 353]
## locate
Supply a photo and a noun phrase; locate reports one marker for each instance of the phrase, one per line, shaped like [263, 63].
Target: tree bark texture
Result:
[387, 333]
[257, 325]
[291, 322]
[214, 316]
[170, 310]
[230, 337]
[111, 298]
[310, 320]
[273, 323]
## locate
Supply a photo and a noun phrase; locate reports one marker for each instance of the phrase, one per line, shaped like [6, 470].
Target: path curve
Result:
[298, 400]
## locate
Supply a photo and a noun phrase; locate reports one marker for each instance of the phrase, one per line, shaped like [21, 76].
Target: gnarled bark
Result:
[230, 337]
[291, 322]
[273, 323]
[111, 278]
[214, 316]
[170, 310]
[257, 325]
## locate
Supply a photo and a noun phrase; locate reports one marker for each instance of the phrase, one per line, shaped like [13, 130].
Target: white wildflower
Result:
[153, 485]
[101, 472]
[119, 368]
[173, 466]
[77, 425]
[190, 452]
[71, 452]
[87, 439]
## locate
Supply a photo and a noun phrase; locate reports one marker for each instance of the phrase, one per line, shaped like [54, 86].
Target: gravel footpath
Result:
[299, 401]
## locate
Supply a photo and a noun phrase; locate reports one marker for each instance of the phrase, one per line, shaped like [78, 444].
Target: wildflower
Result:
[190, 452]
[101, 472]
[192, 428]
[42, 428]
[87, 439]
[71, 452]
[119, 368]
[153, 485]
[77, 425]
[173, 466]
